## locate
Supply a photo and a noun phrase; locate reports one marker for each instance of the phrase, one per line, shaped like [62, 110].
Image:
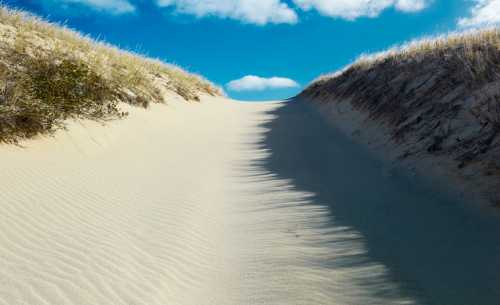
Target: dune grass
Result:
[475, 49]
[49, 73]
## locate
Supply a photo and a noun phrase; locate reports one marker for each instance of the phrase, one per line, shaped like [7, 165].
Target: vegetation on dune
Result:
[49, 73]
[437, 97]
[428, 80]
[476, 50]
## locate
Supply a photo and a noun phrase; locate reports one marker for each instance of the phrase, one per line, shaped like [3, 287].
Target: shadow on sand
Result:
[438, 250]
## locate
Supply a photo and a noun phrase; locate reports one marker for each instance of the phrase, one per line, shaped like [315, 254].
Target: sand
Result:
[200, 204]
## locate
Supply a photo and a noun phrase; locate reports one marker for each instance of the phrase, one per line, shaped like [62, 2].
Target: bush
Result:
[39, 94]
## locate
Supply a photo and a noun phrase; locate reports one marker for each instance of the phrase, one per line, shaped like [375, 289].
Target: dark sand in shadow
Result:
[439, 250]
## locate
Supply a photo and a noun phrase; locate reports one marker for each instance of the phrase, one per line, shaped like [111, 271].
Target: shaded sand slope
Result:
[432, 103]
[439, 250]
[222, 202]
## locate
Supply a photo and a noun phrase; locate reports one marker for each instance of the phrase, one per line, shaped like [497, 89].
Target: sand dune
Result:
[180, 204]
[165, 207]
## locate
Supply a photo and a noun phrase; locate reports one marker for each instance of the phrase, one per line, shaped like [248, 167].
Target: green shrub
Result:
[39, 94]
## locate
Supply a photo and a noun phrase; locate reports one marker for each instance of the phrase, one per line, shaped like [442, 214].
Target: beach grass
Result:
[475, 49]
[49, 73]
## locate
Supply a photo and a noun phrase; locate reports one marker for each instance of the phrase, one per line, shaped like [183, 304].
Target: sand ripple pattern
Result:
[170, 207]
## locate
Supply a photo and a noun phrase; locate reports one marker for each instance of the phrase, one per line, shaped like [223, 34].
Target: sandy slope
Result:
[191, 204]
[165, 207]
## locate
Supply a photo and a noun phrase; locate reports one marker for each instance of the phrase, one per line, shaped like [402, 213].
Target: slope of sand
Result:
[199, 204]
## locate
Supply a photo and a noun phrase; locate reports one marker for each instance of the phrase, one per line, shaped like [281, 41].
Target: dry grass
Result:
[466, 45]
[476, 49]
[49, 73]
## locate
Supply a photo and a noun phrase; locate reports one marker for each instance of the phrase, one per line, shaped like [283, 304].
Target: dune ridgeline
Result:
[49, 74]
[433, 105]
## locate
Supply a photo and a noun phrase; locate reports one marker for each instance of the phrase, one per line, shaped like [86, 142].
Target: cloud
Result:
[484, 13]
[353, 9]
[110, 6]
[262, 12]
[258, 12]
[411, 5]
[256, 83]
[278, 11]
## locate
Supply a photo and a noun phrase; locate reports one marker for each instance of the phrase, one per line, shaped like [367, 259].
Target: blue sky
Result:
[293, 41]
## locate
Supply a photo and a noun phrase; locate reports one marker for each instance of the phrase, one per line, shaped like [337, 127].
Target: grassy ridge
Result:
[49, 74]
[423, 81]
[438, 97]
[475, 49]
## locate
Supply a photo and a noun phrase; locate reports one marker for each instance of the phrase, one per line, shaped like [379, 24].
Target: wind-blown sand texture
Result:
[223, 202]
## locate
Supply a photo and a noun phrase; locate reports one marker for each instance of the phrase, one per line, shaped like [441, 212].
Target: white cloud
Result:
[352, 9]
[256, 83]
[484, 13]
[411, 5]
[110, 6]
[249, 11]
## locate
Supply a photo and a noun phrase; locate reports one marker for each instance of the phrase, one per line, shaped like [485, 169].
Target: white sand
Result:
[169, 206]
